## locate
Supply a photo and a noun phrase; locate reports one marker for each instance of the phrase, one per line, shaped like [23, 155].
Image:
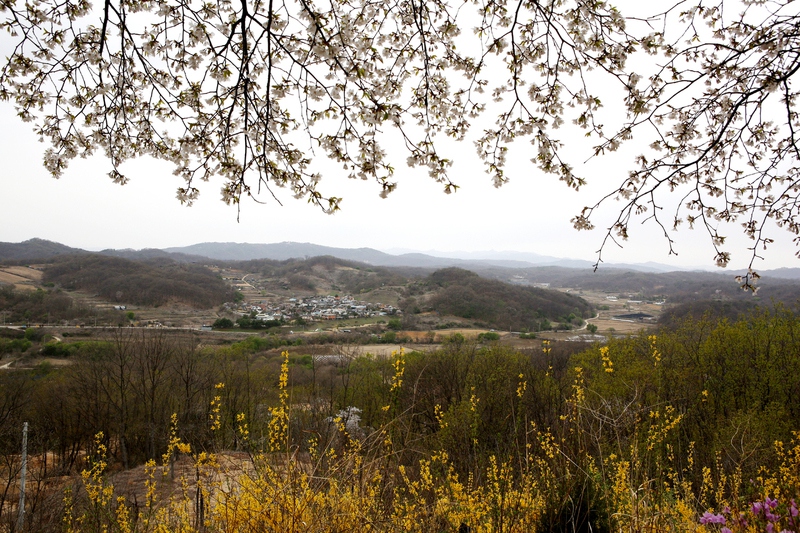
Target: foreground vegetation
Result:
[692, 429]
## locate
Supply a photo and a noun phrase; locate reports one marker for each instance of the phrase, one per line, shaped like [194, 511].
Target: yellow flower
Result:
[608, 365]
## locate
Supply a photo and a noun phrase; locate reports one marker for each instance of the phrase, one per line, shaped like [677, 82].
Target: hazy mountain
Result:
[229, 251]
[527, 257]
[232, 251]
[34, 249]
[783, 273]
[512, 259]
[42, 249]
[154, 253]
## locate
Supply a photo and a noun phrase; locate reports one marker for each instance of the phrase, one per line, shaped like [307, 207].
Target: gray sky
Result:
[530, 214]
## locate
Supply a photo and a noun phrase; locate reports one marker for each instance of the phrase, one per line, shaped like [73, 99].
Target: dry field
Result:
[621, 306]
[21, 277]
[385, 350]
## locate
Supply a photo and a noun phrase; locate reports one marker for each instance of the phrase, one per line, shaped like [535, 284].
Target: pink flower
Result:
[710, 518]
[772, 504]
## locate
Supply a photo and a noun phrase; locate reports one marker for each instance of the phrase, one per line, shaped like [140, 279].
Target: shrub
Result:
[34, 334]
[222, 323]
[14, 345]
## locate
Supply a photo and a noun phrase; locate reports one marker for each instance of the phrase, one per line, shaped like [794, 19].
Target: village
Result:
[311, 309]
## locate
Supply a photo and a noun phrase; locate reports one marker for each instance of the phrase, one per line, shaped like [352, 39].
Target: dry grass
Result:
[21, 277]
[383, 350]
[23, 272]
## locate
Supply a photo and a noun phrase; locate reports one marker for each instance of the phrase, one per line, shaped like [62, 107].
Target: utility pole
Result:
[21, 517]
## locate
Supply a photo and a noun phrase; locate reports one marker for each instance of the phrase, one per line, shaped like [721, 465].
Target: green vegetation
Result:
[65, 349]
[222, 323]
[395, 324]
[251, 322]
[561, 438]
[34, 334]
[696, 310]
[14, 345]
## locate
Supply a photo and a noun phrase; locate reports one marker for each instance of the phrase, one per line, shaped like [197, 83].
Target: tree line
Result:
[601, 408]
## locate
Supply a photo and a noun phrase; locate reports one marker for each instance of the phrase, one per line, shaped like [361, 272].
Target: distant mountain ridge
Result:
[40, 249]
[282, 251]
[229, 251]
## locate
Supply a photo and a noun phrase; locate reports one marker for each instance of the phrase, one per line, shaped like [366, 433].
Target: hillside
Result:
[49, 306]
[323, 274]
[448, 293]
[504, 306]
[149, 283]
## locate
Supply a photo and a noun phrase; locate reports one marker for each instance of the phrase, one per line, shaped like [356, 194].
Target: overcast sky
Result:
[530, 214]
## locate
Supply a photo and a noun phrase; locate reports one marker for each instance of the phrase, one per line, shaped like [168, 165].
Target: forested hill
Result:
[34, 249]
[151, 283]
[465, 294]
[327, 273]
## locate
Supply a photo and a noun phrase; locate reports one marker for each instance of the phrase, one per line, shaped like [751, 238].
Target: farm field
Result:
[21, 277]
[620, 306]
